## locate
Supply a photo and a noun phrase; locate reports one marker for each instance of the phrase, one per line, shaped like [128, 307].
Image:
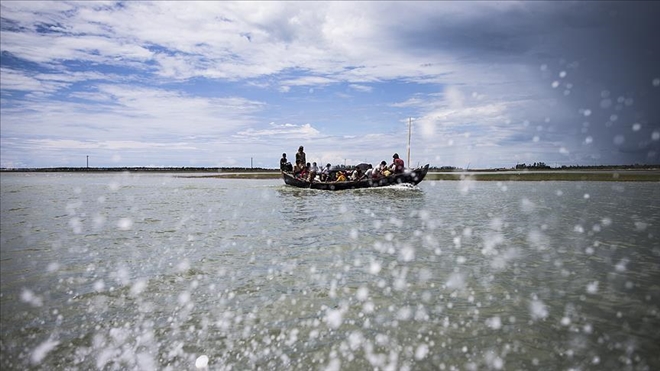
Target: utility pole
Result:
[409, 132]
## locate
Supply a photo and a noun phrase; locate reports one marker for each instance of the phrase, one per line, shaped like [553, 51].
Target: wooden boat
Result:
[412, 176]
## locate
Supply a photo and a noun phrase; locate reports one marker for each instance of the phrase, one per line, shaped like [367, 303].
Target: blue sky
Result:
[489, 84]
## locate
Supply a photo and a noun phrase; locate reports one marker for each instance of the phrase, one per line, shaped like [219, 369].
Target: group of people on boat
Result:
[310, 172]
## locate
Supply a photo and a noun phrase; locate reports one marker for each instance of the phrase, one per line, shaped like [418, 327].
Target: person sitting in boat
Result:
[313, 171]
[303, 174]
[369, 172]
[301, 160]
[383, 170]
[285, 165]
[397, 164]
[356, 175]
[341, 177]
[325, 173]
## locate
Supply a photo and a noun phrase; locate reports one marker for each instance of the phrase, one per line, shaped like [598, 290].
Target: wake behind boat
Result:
[410, 176]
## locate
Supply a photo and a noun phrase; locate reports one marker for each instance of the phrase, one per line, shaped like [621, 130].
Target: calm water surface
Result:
[126, 271]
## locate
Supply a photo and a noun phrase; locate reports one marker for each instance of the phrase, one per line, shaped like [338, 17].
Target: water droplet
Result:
[619, 139]
[42, 350]
[592, 288]
[495, 323]
[125, 224]
[334, 318]
[202, 361]
[362, 293]
[538, 310]
[374, 267]
[421, 351]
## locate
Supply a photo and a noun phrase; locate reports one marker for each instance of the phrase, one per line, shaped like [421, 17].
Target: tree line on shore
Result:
[544, 166]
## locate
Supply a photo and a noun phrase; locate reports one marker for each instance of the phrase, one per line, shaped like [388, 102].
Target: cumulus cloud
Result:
[491, 83]
[285, 130]
[361, 88]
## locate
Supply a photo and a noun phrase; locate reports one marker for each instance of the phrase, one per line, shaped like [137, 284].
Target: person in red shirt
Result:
[397, 164]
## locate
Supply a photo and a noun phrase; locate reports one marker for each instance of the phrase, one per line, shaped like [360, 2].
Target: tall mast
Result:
[409, 132]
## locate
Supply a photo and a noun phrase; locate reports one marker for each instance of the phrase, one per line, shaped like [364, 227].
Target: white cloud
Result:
[309, 81]
[146, 71]
[65, 144]
[361, 88]
[289, 131]
[130, 112]
[19, 81]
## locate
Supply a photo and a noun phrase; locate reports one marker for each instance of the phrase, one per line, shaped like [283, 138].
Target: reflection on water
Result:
[152, 272]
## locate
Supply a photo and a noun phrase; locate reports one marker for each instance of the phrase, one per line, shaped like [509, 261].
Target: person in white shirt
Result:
[313, 170]
[369, 172]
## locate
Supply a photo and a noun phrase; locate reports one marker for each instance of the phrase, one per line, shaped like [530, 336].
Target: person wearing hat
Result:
[397, 164]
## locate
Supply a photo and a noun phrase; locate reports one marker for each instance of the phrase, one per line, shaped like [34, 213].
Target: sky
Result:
[223, 84]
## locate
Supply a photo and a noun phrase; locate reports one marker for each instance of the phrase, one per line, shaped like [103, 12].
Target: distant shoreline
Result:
[560, 175]
[616, 174]
[137, 169]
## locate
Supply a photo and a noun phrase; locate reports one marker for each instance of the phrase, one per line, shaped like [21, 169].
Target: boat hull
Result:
[413, 177]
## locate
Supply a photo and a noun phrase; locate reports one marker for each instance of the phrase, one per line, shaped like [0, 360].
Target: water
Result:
[125, 271]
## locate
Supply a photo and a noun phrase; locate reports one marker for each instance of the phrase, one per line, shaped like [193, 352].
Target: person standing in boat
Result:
[301, 159]
[397, 164]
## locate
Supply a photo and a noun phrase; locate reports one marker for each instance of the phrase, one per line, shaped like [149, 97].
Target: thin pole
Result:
[409, 132]
[88, 161]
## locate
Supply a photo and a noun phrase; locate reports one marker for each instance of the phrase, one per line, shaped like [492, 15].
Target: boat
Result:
[409, 176]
